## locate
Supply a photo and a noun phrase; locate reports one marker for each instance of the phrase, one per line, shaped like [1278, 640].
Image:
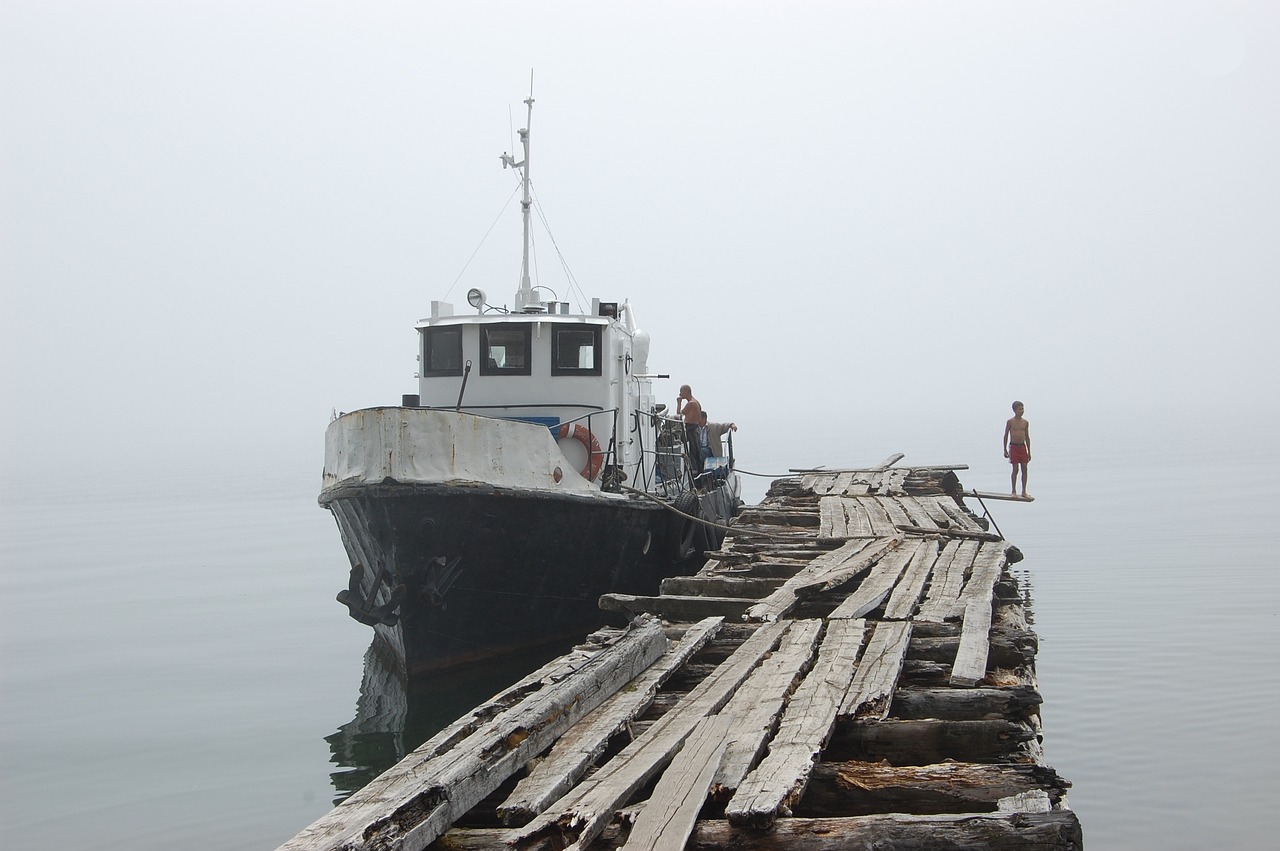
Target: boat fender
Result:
[595, 456]
[685, 546]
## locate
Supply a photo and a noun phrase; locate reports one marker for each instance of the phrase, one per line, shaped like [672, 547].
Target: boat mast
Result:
[525, 296]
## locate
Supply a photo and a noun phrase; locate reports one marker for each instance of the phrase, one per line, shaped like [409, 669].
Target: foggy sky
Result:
[883, 220]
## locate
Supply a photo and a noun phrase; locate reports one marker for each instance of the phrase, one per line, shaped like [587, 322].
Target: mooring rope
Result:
[669, 507]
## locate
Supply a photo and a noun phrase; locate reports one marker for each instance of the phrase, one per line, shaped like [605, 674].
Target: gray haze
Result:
[885, 220]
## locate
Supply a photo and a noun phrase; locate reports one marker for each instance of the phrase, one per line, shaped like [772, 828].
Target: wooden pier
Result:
[853, 669]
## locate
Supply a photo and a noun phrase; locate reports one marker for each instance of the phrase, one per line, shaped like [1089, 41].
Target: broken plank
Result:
[832, 520]
[971, 659]
[760, 701]
[872, 688]
[419, 798]
[803, 731]
[947, 580]
[577, 818]
[906, 594]
[858, 523]
[881, 524]
[824, 573]
[579, 748]
[672, 810]
[878, 584]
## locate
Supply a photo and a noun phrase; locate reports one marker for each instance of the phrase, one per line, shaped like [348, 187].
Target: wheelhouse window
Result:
[504, 350]
[575, 350]
[441, 351]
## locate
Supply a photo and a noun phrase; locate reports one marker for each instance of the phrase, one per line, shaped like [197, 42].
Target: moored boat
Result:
[532, 472]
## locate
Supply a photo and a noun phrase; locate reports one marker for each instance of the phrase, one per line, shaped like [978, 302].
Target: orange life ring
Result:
[595, 456]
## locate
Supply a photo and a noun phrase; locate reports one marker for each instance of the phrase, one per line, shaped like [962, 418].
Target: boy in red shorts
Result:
[1017, 447]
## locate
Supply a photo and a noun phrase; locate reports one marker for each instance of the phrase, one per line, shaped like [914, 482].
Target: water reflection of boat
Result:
[490, 511]
[394, 716]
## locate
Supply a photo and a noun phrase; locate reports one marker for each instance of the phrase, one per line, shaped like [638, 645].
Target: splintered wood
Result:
[852, 669]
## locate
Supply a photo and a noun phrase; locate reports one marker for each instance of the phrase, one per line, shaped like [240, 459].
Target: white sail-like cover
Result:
[423, 446]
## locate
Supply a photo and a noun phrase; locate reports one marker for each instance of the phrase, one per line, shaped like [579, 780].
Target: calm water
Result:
[174, 671]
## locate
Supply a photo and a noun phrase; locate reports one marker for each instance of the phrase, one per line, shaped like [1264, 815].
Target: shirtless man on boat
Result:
[689, 410]
[1017, 448]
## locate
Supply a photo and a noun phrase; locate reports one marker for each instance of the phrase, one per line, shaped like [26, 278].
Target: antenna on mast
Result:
[524, 296]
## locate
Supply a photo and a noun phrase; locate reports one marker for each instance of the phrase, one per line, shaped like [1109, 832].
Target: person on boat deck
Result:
[711, 434]
[690, 411]
[1017, 447]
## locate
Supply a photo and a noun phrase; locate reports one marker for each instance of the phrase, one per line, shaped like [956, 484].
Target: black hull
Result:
[476, 573]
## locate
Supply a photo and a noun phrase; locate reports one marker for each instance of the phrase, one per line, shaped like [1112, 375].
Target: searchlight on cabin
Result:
[475, 298]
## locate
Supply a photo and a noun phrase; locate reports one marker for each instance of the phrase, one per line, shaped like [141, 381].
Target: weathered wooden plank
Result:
[672, 810]
[676, 608]
[878, 584]
[894, 482]
[940, 518]
[580, 747]
[897, 514]
[947, 580]
[959, 516]
[866, 788]
[858, 523]
[1055, 831]
[823, 574]
[761, 700]
[720, 585]
[577, 818]
[881, 525]
[806, 724]
[412, 803]
[916, 515]
[971, 659]
[988, 564]
[843, 480]
[831, 512]
[869, 694]
[906, 594]
[1005, 496]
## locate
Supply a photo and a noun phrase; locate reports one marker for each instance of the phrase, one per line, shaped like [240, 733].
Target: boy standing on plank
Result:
[1017, 447]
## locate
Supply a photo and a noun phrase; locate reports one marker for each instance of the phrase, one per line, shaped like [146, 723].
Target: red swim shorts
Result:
[1018, 453]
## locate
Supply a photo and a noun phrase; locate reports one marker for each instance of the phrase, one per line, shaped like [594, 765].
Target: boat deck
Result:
[853, 669]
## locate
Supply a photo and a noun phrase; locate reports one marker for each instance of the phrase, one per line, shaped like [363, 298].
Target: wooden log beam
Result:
[678, 608]
[805, 727]
[965, 704]
[1054, 831]
[1058, 830]
[579, 817]
[720, 585]
[928, 741]
[415, 801]
[579, 748]
[866, 788]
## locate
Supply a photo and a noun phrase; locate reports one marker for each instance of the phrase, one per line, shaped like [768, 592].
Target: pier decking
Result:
[853, 669]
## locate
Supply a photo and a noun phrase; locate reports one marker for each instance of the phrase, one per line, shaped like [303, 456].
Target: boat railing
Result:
[666, 467]
[598, 424]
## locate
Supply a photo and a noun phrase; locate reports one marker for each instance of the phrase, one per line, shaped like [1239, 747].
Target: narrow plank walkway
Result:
[852, 669]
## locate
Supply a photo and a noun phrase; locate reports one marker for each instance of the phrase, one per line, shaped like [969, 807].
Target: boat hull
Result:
[461, 573]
